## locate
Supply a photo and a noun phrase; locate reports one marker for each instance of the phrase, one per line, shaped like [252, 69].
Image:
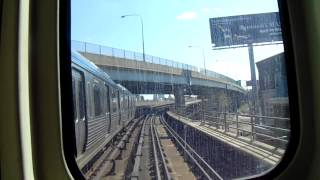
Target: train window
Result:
[121, 102]
[97, 100]
[207, 79]
[74, 99]
[107, 99]
[81, 100]
[114, 100]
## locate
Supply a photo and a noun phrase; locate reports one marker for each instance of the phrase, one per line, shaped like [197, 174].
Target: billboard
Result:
[245, 29]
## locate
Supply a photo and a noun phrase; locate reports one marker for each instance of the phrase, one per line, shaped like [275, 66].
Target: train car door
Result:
[79, 111]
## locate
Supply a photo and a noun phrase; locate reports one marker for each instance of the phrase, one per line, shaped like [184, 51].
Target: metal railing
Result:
[274, 131]
[131, 55]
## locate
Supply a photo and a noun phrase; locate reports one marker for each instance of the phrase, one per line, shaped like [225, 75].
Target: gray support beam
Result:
[179, 100]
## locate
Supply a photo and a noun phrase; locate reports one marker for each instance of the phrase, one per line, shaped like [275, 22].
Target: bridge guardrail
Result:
[131, 55]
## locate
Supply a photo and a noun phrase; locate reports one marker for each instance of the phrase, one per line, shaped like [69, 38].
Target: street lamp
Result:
[142, 35]
[203, 56]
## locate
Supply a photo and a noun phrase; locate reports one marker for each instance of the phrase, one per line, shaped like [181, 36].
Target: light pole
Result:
[142, 35]
[203, 56]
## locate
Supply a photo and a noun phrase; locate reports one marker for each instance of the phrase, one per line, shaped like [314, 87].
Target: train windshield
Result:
[178, 89]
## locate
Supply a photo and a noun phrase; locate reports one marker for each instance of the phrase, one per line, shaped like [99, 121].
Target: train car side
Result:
[101, 107]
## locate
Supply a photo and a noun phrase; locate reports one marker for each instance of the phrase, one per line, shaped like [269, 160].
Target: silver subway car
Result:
[101, 108]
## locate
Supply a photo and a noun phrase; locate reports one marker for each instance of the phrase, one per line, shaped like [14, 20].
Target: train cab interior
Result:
[38, 93]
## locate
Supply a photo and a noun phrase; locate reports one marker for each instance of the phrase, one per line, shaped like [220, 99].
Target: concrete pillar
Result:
[214, 102]
[213, 99]
[179, 97]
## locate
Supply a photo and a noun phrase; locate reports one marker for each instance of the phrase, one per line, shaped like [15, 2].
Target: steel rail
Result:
[155, 152]
[164, 164]
[135, 171]
[182, 143]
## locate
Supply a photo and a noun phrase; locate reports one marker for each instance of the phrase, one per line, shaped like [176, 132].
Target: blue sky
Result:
[170, 26]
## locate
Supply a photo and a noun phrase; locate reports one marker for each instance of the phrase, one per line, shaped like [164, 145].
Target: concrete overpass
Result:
[159, 76]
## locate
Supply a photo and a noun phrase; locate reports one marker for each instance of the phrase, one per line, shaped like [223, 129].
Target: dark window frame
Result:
[82, 102]
[114, 101]
[107, 102]
[97, 100]
[66, 89]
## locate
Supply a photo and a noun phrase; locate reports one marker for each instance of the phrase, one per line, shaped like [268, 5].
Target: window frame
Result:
[97, 102]
[292, 86]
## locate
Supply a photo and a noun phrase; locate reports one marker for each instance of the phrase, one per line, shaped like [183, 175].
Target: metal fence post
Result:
[112, 53]
[100, 50]
[252, 128]
[225, 121]
[85, 47]
[237, 121]
[203, 116]
[185, 141]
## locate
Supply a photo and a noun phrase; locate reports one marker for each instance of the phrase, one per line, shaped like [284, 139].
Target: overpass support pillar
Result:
[222, 101]
[179, 100]
[215, 100]
[212, 102]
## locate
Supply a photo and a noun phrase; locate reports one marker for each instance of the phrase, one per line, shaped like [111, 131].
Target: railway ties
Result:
[149, 149]
[113, 164]
[160, 158]
[138, 154]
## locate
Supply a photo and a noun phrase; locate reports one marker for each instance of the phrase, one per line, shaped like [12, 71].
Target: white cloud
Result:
[205, 10]
[187, 16]
[217, 9]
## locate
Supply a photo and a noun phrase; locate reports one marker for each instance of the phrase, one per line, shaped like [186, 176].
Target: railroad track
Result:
[113, 163]
[169, 156]
[160, 163]
[199, 166]
[150, 149]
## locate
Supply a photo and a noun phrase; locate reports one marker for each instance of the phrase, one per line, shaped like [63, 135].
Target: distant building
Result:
[273, 97]
[273, 89]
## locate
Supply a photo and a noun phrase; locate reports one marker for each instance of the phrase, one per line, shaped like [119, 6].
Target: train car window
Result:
[107, 99]
[207, 79]
[120, 99]
[124, 99]
[121, 102]
[97, 100]
[90, 99]
[82, 110]
[114, 101]
[74, 99]
[128, 106]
